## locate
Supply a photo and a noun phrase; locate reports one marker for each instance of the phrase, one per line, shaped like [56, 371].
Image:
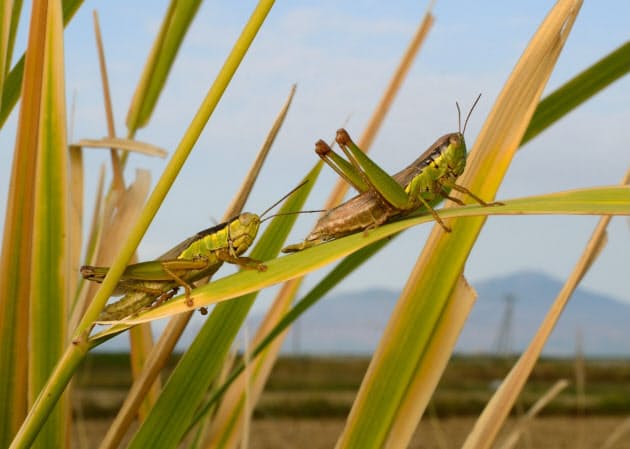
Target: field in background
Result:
[307, 399]
[549, 432]
[307, 387]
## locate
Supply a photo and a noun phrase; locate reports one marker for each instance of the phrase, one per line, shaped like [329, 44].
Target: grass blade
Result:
[117, 175]
[15, 20]
[76, 218]
[429, 373]
[526, 419]
[6, 14]
[579, 89]
[617, 434]
[177, 20]
[15, 264]
[123, 144]
[51, 258]
[396, 362]
[275, 324]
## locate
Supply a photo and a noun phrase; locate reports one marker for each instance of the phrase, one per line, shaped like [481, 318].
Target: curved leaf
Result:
[613, 200]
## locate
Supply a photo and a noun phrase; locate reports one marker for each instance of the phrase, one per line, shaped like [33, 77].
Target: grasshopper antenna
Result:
[283, 198]
[469, 112]
[293, 213]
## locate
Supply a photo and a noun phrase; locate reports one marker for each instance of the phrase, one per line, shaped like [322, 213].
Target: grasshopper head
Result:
[455, 153]
[243, 231]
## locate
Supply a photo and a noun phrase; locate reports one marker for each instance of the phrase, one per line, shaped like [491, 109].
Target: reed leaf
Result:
[15, 263]
[166, 424]
[385, 390]
[51, 256]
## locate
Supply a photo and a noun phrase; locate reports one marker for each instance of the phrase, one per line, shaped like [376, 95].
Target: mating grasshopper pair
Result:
[420, 186]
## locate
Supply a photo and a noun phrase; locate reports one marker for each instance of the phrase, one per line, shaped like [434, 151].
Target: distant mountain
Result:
[352, 323]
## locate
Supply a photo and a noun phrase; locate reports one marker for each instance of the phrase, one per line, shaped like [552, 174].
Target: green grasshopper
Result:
[423, 184]
[199, 256]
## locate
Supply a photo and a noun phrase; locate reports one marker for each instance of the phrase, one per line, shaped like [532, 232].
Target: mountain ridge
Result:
[352, 322]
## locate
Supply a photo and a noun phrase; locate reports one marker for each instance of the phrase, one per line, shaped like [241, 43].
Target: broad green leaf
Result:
[15, 263]
[50, 262]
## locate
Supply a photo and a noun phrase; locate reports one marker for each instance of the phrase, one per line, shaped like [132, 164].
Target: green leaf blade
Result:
[177, 20]
[50, 262]
[579, 89]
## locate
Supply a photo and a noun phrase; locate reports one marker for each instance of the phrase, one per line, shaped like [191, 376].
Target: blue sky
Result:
[342, 55]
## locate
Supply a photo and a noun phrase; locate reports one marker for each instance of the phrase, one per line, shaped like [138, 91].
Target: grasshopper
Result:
[423, 184]
[199, 256]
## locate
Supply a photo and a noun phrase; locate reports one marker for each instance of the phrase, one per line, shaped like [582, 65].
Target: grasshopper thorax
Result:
[243, 230]
[447, 154]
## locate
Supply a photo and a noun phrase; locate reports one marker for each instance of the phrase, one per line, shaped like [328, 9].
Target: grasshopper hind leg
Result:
[180, 281]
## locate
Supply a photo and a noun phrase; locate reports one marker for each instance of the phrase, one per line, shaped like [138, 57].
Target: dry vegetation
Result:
[557, 432]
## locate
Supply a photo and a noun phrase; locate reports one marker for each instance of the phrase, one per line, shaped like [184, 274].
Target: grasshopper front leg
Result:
[465, 191]
[225, 255]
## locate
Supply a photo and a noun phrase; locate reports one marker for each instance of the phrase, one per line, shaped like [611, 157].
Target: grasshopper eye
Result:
[246, 218]
[456, 139]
